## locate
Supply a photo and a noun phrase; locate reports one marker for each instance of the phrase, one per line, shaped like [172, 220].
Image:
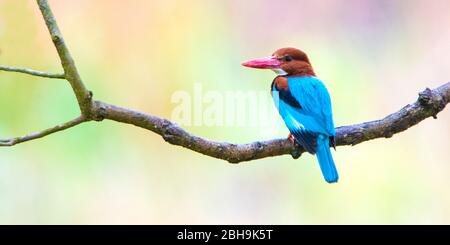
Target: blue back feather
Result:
[311, 123]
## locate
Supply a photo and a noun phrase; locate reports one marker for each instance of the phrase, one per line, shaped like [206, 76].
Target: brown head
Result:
[284, 61]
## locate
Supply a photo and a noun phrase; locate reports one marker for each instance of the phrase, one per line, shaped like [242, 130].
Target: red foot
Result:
[291, 138]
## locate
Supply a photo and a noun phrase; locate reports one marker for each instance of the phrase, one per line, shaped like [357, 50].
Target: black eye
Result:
[287, 58]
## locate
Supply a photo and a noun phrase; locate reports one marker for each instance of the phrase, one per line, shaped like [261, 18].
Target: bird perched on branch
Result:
[304, 104]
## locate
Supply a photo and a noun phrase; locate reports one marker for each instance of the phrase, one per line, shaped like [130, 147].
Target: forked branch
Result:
[429, 104]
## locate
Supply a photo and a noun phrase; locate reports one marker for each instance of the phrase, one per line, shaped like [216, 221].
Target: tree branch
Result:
[31, 72]
[84, 96]
[37, 135]
[429, 104]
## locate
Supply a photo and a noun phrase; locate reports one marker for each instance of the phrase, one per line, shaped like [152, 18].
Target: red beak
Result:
[263, 63]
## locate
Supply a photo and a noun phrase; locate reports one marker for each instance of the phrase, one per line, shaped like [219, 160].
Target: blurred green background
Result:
[375, 56]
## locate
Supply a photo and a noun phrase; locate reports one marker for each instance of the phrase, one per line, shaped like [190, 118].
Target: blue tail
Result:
[326, 159]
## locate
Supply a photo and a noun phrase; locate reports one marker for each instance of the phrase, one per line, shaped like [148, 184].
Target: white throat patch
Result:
[279, 72]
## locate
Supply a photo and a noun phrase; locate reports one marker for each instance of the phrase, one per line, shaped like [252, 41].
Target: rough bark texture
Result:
[429, 104]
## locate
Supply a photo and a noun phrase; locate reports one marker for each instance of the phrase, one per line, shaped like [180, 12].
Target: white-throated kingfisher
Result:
[304, 104]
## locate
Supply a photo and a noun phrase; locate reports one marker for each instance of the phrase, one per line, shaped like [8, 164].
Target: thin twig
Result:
[32, 72]
[429, 104]
[37, 135]
[84, 96]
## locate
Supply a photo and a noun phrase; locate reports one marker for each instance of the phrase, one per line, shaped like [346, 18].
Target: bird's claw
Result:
[297, 151]
[291, 138]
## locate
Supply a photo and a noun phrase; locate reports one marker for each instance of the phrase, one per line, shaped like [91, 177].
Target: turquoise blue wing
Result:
[306, 110]
[295, 122]
[315, 112]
